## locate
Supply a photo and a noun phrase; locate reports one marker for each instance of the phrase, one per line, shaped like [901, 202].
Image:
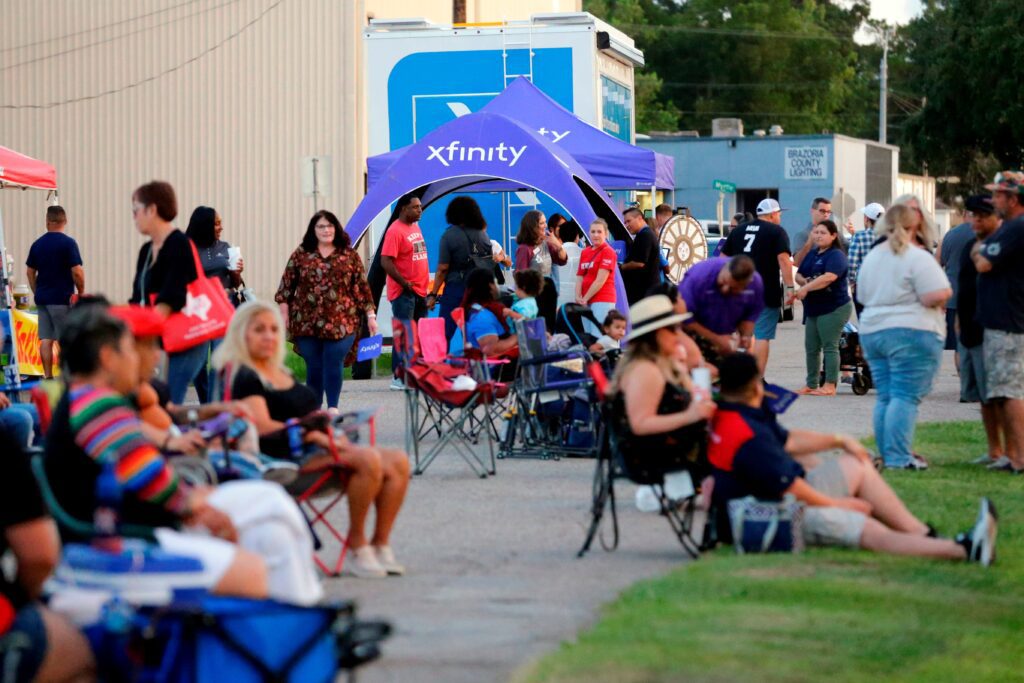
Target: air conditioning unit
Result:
[726, 128]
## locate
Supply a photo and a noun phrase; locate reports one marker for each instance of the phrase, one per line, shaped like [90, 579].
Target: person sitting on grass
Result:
[249, 535]
[614, 328]
[250, 361]
[848, 502]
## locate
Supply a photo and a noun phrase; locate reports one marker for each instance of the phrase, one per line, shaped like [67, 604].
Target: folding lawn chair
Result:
[433, 404]
[611, 466]
[554, 412]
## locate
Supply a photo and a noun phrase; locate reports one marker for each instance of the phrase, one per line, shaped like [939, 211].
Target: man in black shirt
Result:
[35, 644]
[642, 265]
[973, 389]
[1001, 309]
[765, 241]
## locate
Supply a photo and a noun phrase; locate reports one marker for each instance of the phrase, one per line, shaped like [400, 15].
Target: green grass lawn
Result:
[297, 366]
[835, 615]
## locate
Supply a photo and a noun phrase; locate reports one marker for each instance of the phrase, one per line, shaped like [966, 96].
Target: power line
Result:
[749, 33]
[792, 85]
[117, 37]
[98, 28]
[150, 79]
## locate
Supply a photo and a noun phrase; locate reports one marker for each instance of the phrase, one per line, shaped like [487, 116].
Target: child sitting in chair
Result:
[529, 283]
[614, 328]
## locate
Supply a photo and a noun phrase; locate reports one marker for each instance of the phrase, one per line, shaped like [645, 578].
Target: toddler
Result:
[614, 328]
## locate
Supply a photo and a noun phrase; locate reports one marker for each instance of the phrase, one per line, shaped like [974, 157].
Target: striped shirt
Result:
[106, 426]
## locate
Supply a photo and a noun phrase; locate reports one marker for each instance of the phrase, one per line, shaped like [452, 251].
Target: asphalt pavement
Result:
[493, 580]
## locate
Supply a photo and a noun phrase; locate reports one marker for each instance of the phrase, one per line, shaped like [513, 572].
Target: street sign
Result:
[723, 186]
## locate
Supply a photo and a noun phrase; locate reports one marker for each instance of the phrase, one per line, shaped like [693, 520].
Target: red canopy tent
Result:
[20, 171]
[17, 171]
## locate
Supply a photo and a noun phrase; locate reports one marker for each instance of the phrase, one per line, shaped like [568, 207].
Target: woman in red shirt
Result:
[323, 296]
[595, 279]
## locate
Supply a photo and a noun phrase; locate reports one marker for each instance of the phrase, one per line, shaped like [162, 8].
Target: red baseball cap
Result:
[143, 322]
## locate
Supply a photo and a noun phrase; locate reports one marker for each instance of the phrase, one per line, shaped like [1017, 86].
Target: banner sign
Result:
[26, 337]
[620, 249]
[369, 347]
[806, 163]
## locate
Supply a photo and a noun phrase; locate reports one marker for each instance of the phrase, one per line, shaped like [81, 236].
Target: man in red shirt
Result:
[404, 259]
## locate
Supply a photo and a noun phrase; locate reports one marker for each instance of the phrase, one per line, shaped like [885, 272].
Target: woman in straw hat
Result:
[655, 413]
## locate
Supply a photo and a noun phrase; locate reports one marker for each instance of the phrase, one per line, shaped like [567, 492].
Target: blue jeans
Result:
[206, 377]
[903, 364]
[325, 364]
[20, 420]
[451, 298]
[407, 306]
[181, 370]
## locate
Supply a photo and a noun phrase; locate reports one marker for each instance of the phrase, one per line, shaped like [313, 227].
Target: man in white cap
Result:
[861, 244]
[767, 242]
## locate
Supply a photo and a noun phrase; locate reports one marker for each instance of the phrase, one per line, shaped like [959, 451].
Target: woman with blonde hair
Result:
[923, 225]
[252, 370]
[902, 329]
[658, 421]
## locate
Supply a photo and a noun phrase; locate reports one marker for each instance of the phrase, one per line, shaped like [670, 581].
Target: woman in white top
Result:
[902, 329]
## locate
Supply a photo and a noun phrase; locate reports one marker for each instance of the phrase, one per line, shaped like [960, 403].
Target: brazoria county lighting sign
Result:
[806, 163]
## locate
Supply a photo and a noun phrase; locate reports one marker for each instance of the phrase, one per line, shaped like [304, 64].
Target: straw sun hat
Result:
[653, 313]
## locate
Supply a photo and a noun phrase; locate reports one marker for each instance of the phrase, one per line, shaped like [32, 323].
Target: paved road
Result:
[493, 579]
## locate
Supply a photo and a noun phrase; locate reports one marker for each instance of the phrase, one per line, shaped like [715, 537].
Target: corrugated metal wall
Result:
[220, 97]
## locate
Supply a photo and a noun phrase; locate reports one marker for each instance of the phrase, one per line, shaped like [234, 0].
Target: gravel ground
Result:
[493, 580]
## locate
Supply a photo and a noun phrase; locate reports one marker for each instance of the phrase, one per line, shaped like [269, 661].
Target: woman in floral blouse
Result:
[323, 296]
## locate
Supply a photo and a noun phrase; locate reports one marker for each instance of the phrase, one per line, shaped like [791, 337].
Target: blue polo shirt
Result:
[747, 451]
[53, 256]
[824, 301]
[719, 313]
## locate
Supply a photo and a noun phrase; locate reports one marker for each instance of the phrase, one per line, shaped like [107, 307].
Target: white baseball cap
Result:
[768, 206]
[874, 211]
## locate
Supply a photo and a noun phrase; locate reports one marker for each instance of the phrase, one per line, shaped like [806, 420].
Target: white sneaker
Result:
[362, 563]
[397, 385]
[386, 558]
[1000, 463]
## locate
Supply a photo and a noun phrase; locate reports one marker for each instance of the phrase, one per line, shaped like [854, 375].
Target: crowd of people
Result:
[113, 416]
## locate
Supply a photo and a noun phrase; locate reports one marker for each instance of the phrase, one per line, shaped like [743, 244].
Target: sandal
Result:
[806, 390]
[822, 391]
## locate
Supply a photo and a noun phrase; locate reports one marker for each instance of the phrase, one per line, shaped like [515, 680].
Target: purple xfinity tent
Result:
[613, 163]
[476, 150]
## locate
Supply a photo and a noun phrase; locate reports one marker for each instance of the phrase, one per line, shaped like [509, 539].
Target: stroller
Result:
[570, 322]
[851, 359]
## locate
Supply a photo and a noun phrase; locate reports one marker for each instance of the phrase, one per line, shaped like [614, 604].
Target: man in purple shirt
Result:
[725, 296]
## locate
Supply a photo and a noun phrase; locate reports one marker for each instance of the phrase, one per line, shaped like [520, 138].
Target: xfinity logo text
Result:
[455, 151]
[555, 135]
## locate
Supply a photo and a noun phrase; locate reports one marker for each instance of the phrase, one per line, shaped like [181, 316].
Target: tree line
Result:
[954, 101]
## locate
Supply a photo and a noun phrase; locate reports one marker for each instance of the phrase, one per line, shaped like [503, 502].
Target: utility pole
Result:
[883, 87]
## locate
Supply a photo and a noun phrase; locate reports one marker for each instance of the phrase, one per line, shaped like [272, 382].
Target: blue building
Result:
[793, 169]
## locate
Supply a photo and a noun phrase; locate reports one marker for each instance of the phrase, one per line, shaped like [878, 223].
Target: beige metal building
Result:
[223, 98]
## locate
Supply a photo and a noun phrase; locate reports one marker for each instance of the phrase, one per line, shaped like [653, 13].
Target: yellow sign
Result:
[26, 337]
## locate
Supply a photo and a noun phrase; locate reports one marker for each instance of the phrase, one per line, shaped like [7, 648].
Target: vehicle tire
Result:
[861, 384]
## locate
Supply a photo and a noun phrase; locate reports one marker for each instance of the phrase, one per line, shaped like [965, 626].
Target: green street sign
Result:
[723, 186]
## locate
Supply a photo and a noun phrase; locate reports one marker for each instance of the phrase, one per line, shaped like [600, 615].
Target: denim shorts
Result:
[973, 386]
[23, 647]
[766, 323]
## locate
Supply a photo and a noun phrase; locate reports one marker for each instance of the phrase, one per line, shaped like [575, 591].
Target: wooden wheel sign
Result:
[684, 245]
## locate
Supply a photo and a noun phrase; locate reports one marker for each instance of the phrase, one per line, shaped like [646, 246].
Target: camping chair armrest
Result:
[555, 357]
[77, 526]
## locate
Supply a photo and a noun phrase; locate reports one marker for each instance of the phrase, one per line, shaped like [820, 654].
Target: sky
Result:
[895, 11]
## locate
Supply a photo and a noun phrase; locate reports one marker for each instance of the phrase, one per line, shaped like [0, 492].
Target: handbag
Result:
[760, 526]
[205, 316]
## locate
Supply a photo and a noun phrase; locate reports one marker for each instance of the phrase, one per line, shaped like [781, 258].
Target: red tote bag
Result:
[206, 314]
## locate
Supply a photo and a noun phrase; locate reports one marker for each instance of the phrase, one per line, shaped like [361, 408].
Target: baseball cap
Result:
[767, 206]
[143, 322]
[1007, 181]
[980, 203]
[874, 211]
